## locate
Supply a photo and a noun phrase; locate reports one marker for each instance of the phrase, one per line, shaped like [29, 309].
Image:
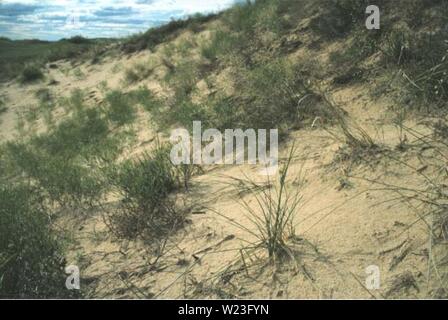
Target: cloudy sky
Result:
[56, 19]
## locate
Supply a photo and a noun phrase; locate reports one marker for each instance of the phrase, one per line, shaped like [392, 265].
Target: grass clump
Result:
[272, 218]
[31, 73]
[146, 99]
[270, 95]
[139, 71]
[423, 58]
[3, 107]
[250, 31]
[144, 186]
[43, 95]
[276, 95]
[338, 17]
[64, 162]
[65, 181]
[120, 110]
[84, 134]
[183, 79]
[220, 45]
[31, 261]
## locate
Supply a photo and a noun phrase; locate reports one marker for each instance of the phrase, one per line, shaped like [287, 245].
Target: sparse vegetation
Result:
[84, 165]
[424, 59]
[31, 259]
[63, 161]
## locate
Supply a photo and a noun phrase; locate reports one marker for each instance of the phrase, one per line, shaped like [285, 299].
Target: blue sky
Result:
[53, 20]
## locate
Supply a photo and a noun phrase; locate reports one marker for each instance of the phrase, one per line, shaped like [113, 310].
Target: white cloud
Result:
[141, 16]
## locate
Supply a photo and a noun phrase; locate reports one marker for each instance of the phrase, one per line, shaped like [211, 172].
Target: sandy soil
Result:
[342, 226]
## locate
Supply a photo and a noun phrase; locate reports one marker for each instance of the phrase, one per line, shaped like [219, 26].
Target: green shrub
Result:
[185, 46]
[221, 44]
[144, 187]
[120, 110]
[225, 113]
[242, 17]
[338, 17]
[31, 260]
[64, 161]
[74, 102]
[83, 134]
[139, 72]
[68, 182]
[397, 46]
[3, 108]
[185, 112]
[31, 73]
[183, 79]
[145, 98]
[423, 58]
[270, 17]
[363, 45]
[31, 114]
[79, 40]
[43, 95]
[275, 96]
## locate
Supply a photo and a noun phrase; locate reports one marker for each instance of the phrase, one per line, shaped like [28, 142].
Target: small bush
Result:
[67, 182]
[145, 98]
[363, 45]
[144, 186]
[424, 60]
[182, 113]
[242, 17]
[64, 161]
[83, 134]
[275, 96]
[139, 72]
[31, 73]
[397, 46]
[3, 108]
[31, 260]
[43, 95]
[79, 40]
[272, 95]
[183, 79]
[221, 44]
[338, 17]
[120, 111]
